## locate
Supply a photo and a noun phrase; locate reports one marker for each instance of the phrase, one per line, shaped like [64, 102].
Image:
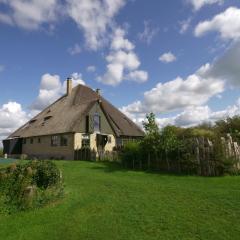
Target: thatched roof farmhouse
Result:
[80, 118]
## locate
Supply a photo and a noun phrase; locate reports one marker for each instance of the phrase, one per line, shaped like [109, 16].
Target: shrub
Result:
[46, 173]
[30, 185]
[131, 153]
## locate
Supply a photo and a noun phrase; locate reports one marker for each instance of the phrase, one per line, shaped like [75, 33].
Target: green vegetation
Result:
[29, 185]
[196, 150]
[104, 201]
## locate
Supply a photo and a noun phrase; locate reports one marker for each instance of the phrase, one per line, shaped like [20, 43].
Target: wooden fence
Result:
[199, 156]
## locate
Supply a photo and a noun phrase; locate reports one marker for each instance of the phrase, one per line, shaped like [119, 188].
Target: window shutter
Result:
[91, 124]
[87, 123]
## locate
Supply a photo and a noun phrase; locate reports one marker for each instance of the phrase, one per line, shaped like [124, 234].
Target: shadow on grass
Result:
[111, 167]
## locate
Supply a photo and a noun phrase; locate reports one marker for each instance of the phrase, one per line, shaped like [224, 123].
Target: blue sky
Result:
[143, 55]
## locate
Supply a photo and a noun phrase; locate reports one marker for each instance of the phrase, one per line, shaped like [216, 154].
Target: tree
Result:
[229, 125]
[150, 126]
[151, 142]
[169, 141]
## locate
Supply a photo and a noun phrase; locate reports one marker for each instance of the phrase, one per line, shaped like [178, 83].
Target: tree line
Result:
[183, 150]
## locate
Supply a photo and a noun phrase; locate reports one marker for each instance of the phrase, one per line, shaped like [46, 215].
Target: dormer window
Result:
[97, 122]
[47, 118]
[32, 121]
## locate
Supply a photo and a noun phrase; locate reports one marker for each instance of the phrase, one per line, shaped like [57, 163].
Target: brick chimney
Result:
[69, 86]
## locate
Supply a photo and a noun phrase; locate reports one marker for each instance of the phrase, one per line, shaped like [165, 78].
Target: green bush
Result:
[46, 173]
[30, 185]
[131, 153]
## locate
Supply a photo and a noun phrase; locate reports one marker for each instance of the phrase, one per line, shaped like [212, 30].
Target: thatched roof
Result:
[65, 115]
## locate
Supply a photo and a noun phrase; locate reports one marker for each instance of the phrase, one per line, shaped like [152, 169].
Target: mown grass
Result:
[103, 201]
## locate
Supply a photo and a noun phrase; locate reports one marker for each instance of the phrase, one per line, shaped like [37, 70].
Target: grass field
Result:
[106, 202]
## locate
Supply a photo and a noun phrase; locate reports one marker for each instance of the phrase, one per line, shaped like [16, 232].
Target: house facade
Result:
[80, 119]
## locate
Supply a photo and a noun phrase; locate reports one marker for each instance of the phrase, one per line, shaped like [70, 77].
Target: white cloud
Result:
[184, 25]
[76, 49]
[11, 117]
[123, 63]
[94, 17]
[120, 42]
[196, 115]
[128, 60]
[198, 4]
[29, 14]
[148, 33]
[138, 76]
[177, 94]
[76, 79]
[226, 23]
[91, 68]
[51, 89]
[167, 57]
[194, 91]
[192, 116]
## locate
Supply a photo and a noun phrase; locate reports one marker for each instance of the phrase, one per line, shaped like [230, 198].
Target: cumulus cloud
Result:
[196, 115]
[12, 116]
[149, 32]
[226, 23]
[29, 14]
[167, 57]
[198, 4]
[51, 89]
[138, 76]
[192, 116]
[76, 49]
[94, 17]
[208, 81]
[177, 94]
[123, 63]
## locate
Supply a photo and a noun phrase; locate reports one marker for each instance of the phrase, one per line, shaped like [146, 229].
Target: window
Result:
[54, 141]
[85, 140]
[39, 140]
[63, 140]
[24, 140]
[31, 140]
[97, 122]
[47, 118]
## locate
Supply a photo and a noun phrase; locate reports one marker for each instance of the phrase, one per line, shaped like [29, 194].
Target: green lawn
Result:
[106, 202]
